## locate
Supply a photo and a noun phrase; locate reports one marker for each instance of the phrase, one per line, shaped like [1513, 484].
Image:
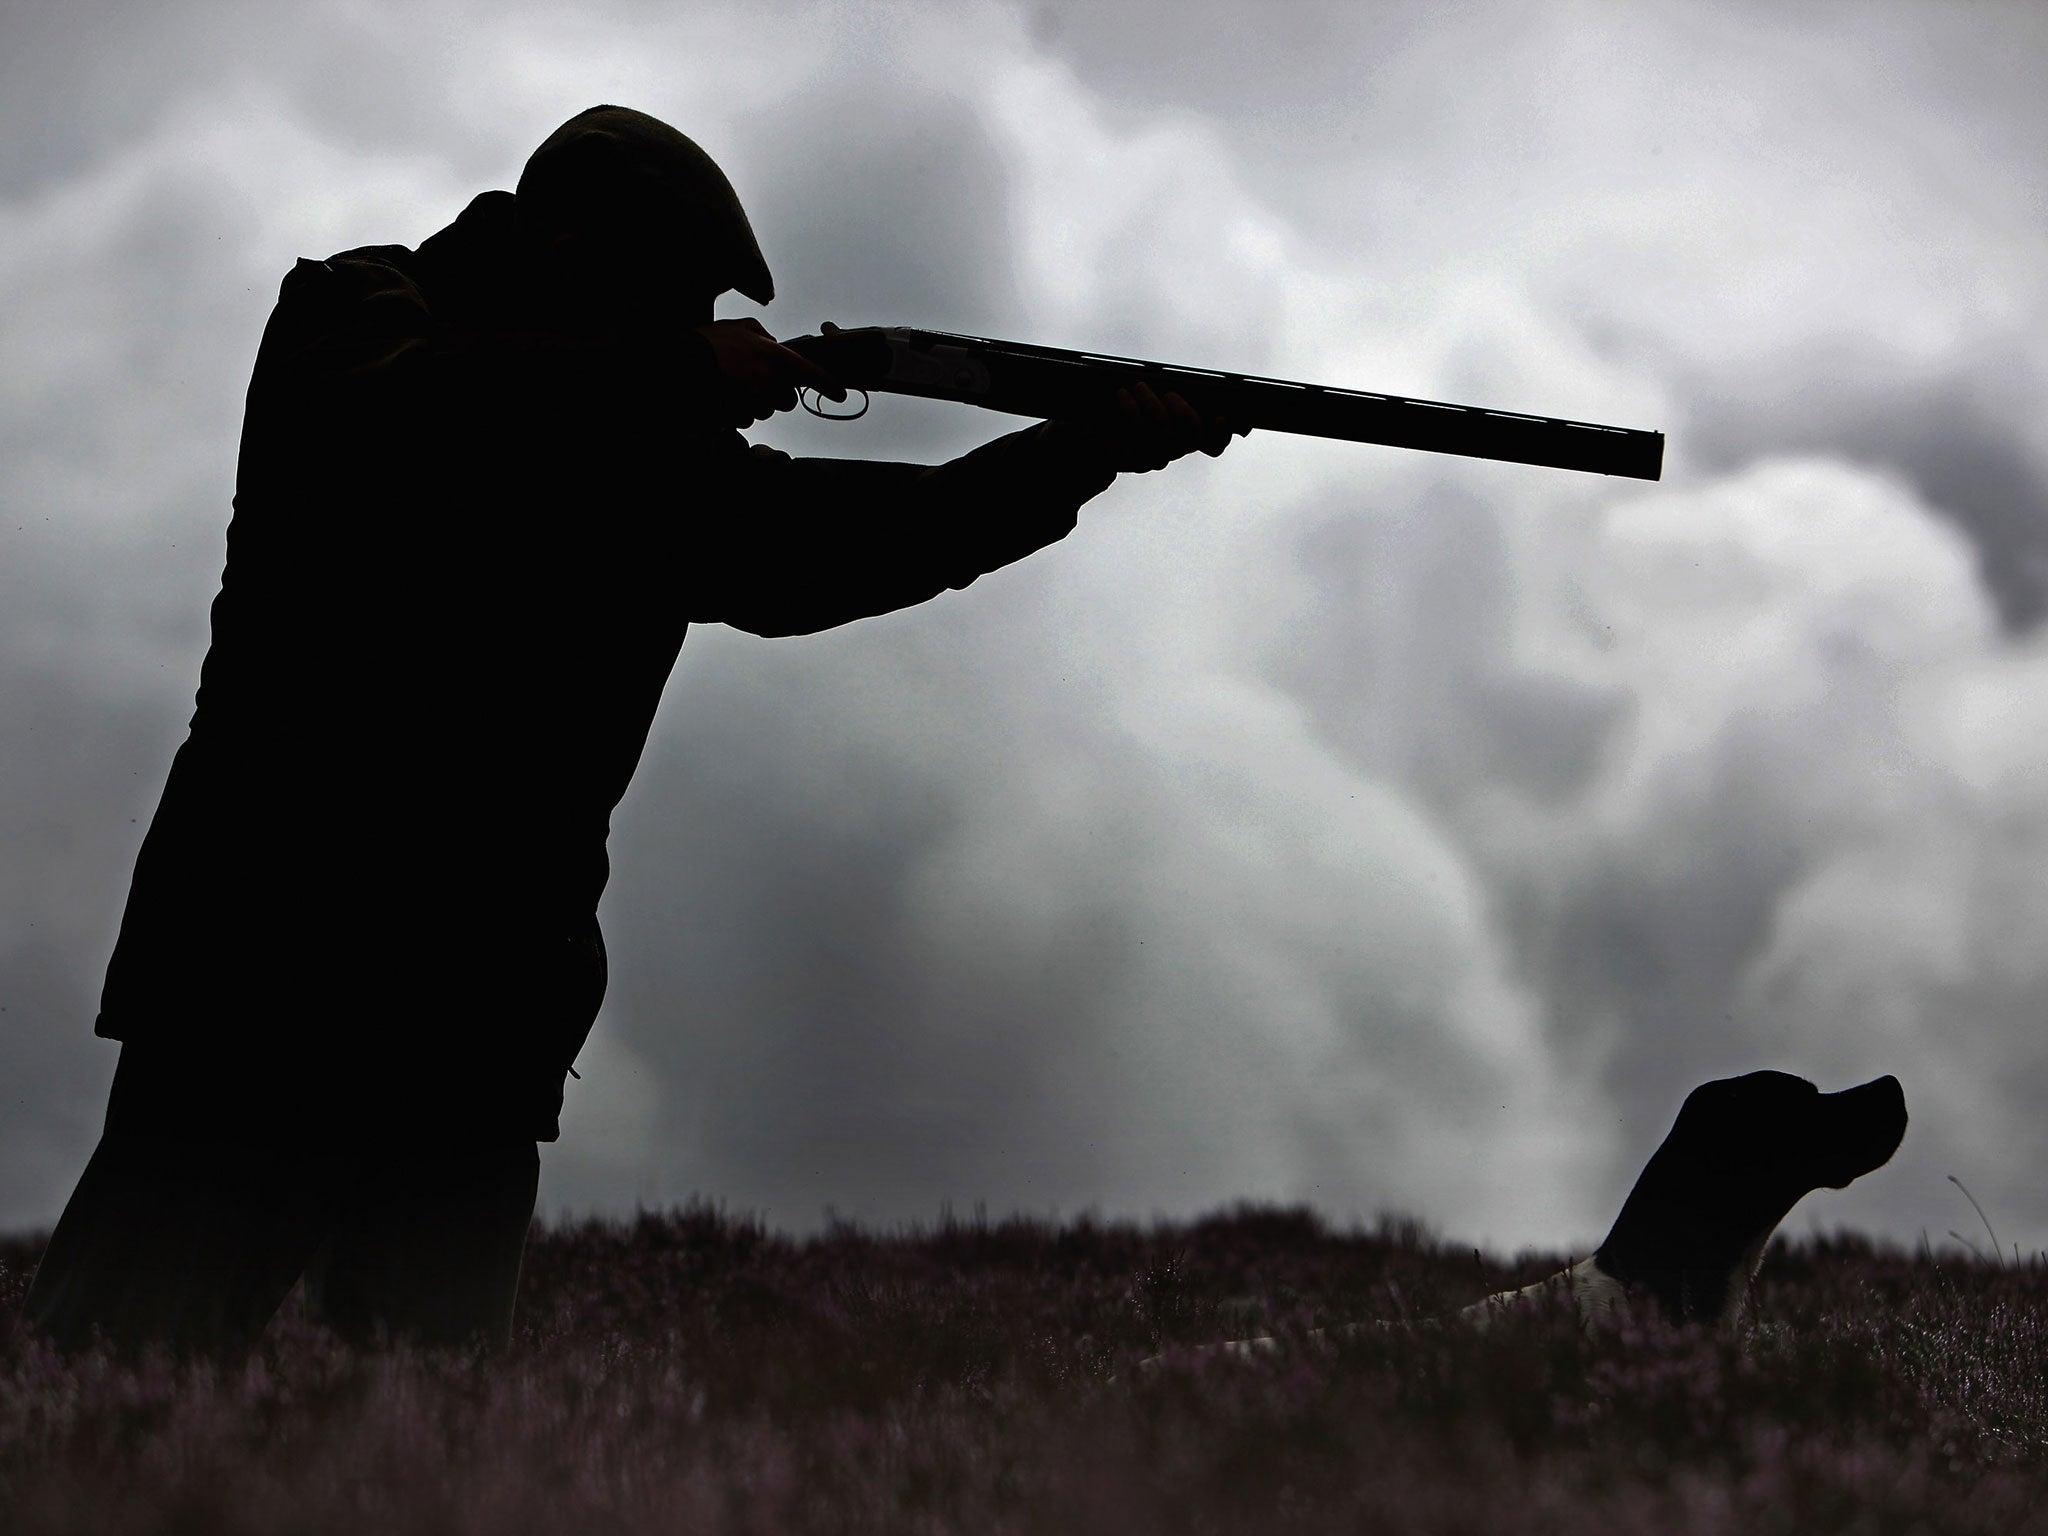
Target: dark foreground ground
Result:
[695, 1373]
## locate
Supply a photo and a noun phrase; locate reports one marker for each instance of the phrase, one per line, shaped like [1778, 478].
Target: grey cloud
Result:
[1649, 939]
[894, 204]
[1282, 77]
[1401, 649]
[78, 80]
[1636, 896]
[78, 780]
[1919, 941]
[815, 1042]
[1964, 441]
[1405, 657]
[373, 88]
[115, 466]
[56, 1080]
[1651, 932]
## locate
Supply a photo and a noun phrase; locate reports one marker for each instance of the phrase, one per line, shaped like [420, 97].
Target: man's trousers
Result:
[210, 1196]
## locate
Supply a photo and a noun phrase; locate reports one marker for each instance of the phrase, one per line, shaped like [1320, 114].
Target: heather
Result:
[696, 1372]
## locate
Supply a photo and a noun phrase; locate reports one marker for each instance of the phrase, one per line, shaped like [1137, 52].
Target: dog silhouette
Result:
[1743, 1152]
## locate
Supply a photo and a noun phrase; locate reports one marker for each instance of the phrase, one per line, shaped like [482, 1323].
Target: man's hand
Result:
[1148, 431]
[760, 374]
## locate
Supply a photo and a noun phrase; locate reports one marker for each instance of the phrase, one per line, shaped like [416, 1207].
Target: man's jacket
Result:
[463, 556]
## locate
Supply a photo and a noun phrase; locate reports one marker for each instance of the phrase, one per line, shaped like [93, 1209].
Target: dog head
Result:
[1741, 1154]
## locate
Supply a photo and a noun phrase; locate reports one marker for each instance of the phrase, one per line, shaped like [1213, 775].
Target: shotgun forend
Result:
[1026, 380]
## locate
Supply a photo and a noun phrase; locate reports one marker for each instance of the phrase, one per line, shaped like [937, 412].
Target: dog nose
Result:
[1887, 1095]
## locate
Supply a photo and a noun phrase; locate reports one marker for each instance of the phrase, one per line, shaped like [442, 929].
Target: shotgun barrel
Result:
[1023, 379]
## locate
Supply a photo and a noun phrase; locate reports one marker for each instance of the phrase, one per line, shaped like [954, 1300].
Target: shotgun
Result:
[1027, 380]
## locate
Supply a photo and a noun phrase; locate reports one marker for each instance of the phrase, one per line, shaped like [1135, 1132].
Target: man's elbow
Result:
[784, 620]
[762, 616]
[783, 615]
[772, 626]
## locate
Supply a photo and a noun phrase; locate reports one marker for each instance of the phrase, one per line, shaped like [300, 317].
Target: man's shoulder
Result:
[446, 265]
[347, 277]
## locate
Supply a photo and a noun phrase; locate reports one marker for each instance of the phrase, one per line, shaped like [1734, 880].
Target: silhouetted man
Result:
[485, 487]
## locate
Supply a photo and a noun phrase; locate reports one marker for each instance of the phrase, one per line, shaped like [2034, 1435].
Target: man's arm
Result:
[807, 544]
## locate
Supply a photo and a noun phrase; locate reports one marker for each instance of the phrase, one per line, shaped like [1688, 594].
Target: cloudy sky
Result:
[1324, 823]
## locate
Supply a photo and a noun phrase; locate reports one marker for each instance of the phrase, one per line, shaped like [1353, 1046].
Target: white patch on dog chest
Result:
[1590, 1287]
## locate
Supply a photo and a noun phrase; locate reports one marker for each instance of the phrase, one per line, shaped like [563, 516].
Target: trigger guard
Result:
[813, 402]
